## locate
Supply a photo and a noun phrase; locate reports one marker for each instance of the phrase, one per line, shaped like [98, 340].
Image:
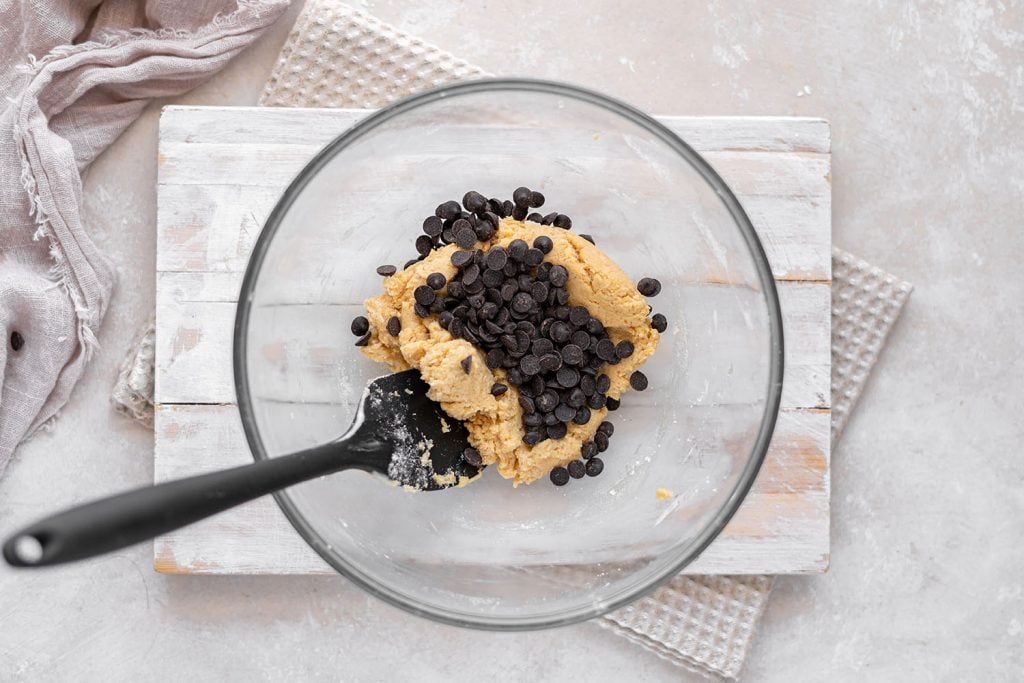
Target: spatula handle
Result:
[134, 516]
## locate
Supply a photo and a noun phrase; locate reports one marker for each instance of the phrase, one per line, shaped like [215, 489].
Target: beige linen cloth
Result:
[336, 56]
[74, 75]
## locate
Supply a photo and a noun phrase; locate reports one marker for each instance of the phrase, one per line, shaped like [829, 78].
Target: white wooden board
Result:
[221, 171]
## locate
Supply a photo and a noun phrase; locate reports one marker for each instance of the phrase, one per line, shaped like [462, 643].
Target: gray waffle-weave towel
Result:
[336, 56]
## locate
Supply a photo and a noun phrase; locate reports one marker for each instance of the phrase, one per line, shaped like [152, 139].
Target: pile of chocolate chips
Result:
[513, 304]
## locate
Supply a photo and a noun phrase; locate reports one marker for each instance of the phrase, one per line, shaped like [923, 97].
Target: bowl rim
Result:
[776, 351]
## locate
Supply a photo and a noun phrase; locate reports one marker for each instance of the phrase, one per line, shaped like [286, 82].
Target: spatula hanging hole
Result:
[28, 549]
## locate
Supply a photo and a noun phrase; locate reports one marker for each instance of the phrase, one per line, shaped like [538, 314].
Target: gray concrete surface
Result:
[927, 578]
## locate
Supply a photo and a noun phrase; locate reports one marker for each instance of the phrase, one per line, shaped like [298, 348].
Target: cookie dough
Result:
[495, 423]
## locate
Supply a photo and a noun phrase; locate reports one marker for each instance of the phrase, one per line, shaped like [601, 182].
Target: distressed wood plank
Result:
[197, 317]
[276, 126]
[779, 169]
[782, 526]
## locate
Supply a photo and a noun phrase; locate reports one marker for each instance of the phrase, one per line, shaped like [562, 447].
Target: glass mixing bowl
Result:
[490, 555]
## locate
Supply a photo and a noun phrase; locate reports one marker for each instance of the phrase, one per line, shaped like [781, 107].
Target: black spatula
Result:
[398, 432]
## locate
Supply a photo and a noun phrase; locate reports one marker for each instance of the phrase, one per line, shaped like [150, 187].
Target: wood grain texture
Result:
[212, 205]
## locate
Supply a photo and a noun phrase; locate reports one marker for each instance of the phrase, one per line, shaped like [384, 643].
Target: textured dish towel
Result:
[339, 57]
[74, 75]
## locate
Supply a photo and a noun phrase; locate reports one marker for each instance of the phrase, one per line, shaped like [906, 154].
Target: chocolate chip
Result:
[522, 302]
[445, 319]
[394, 326]
[436, 281]
[497, 389]
[521, 196]
[536, 199]
[612, 403]
[527, 404]
[533, 420]
[604, 383]
[594, 467]
[648, 286]
[447, 210]
[508, 291]
[472, 457]
[541, 347]
[433, 226]
[588, 450]
[562, 221]
[532, 438]
[519, 213]
[421, 310]
[588, 238]
[560, 332]
[470, 276]
[550, 420]
[515, 376]
[558, 276]
[537, 385]
[638, 380]
[579, 315]
[582, 415]
[659, 322]
[572, 354]
[507, 208]
[360, 326]
[576, 469]
[493, 358]
[389, 270]
[565, 412]
[517, 249]
[496, 258]
[557, 431]
[601, 441]
[544, 244]
[576, 399]
[424, 244]
[606, 349]
[547, 401]
[534, 217]
[466, 364]
[362, 341]
[550, 218]
[465, 237]
[493, 278]
[461, 259]
[550, 362]
[595, 327]
[559, 476]
[529, 364]
[587, 384]
[484, 231]
[624, 349]
[596, 401]
[568, 377]
[474, 201]
[533, 257]
[424, 295]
